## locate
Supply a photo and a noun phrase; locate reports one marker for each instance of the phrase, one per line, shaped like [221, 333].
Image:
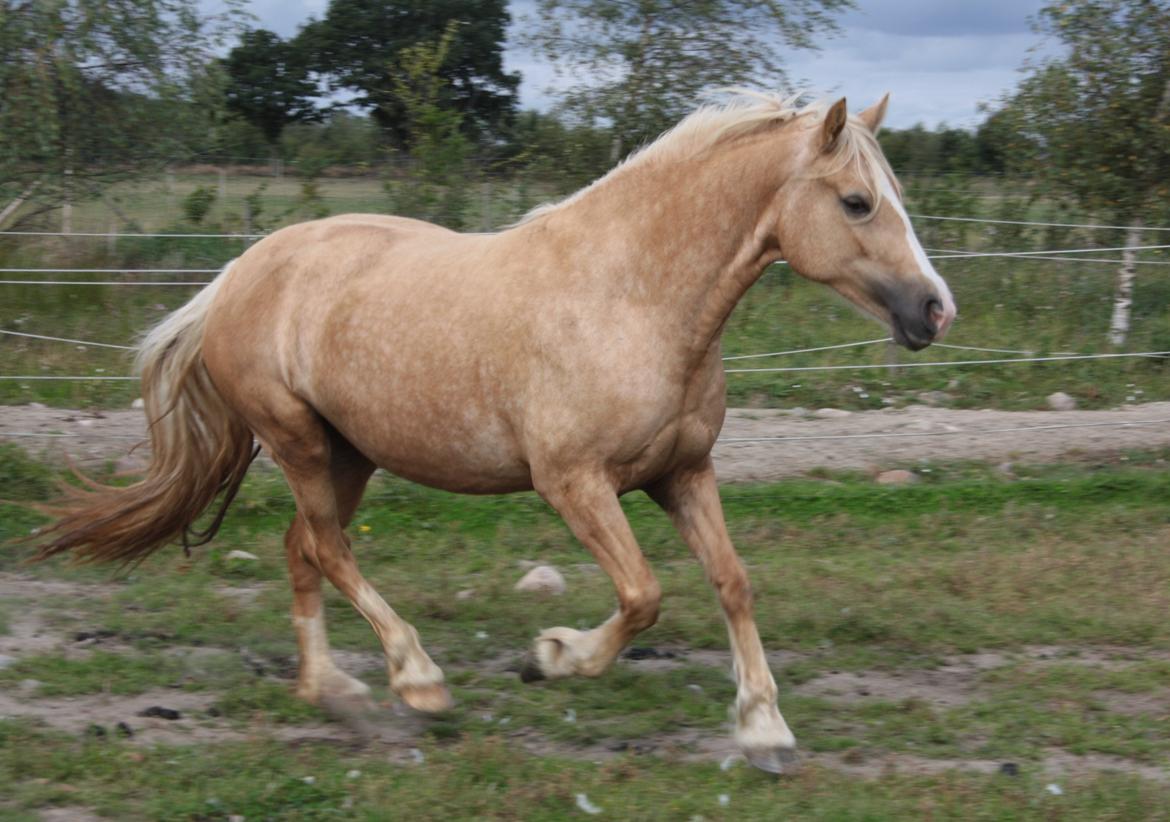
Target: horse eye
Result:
[856, 205]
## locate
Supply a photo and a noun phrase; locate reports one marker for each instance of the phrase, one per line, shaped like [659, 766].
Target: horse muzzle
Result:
[917, 321]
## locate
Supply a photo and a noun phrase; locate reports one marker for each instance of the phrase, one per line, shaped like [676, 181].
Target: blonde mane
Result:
[746, 112]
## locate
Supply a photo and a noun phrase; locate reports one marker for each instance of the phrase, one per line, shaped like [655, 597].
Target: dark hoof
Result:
[774, 760]
[530, 670]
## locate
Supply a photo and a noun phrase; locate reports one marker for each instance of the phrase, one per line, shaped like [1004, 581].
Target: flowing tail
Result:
[200, 449]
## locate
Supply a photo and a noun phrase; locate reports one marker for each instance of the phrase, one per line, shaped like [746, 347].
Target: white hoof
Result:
[765, 739]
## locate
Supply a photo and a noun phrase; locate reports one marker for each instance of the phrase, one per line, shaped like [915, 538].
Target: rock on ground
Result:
[542, 579]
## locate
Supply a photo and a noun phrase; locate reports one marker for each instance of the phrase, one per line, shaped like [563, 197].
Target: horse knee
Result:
[735, 592]
[640, 607]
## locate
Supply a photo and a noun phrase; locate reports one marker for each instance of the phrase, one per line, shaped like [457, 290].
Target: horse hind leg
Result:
[319, 680]
[324, 480]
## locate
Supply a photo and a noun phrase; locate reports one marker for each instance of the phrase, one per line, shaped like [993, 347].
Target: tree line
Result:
[93, 90]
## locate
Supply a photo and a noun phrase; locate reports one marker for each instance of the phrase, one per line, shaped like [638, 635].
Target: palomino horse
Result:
[576, 353]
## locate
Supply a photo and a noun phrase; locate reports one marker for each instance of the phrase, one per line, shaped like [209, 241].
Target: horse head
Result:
[842, 223]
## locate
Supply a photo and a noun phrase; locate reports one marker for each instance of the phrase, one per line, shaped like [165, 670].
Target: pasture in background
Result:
[1041, 303]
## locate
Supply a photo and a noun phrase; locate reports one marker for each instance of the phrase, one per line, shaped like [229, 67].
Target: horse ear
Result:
[872, 117]
[833, 124]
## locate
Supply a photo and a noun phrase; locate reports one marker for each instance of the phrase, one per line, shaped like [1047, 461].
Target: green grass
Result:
[101, 672]
[848, 576]
[492, 779]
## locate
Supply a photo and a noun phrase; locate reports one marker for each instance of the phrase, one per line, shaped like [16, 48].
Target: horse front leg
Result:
[691, 498]
[589, 505]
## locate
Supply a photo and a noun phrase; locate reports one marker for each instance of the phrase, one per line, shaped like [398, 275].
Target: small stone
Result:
[897, 477]
[238, 554]
[934, 398]
[417, 756]
[584, 804]
[542, 579]
[37, 406]
[27, 686]
[694, 687]
[1054, 789]
[831, 413]
[724, 800]
[1061, 401]
[138, 403]
[6, 661]
[570, 716]
[466, 593]
[124, 730]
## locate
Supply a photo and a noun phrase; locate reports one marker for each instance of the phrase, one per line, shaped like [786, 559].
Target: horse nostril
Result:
[932, 314]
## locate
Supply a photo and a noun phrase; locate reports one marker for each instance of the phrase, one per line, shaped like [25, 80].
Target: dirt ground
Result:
[909, 436]
[397, 731]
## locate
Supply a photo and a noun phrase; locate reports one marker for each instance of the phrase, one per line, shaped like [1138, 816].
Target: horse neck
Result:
[683, 237]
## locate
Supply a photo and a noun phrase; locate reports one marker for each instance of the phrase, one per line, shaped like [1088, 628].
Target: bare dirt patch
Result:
[940, 688]
[94, 437]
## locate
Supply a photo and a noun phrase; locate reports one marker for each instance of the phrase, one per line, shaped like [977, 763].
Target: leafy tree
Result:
[568, 155]
[1093, 122]
[90, 89]
[359, 46]
[642, 63]
[269, 85]
[439, 149]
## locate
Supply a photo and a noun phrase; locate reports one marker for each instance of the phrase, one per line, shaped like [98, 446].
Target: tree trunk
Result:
[1123, 296]
[67, 199]
[11, 208]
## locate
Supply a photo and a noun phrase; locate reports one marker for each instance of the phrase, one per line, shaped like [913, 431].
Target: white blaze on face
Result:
[924, 266]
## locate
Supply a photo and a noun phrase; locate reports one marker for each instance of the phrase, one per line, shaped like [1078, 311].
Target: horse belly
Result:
[452, 449]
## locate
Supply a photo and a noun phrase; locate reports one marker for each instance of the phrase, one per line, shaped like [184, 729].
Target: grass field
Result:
[922, 636]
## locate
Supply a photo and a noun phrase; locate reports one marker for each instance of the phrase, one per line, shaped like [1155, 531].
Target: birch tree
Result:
[1093, 121]
[93, 88]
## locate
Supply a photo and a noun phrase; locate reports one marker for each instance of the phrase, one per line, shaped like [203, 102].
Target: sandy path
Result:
[92, 437]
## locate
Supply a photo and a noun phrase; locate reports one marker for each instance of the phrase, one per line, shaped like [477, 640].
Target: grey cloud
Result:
[957, 17]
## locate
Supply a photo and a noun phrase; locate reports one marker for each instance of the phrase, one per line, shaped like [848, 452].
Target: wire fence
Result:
[1021, 356]
[234, 236]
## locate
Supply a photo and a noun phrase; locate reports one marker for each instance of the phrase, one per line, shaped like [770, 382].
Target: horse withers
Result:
[576, 353]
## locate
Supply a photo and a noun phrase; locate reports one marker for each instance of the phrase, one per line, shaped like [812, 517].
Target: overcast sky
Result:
[939, 60]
